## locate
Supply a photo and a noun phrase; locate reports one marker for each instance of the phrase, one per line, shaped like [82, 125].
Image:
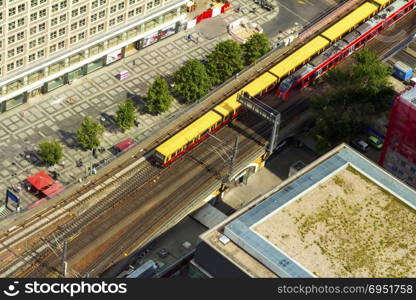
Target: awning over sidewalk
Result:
[40, 180]
[124, 145]
[54, 189]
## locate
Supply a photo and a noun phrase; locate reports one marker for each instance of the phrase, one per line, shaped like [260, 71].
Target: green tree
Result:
[158, 98]
[225, 60]
[89, 133]
[356, 97]
[51, 152]
[126, 114]
[192, 80]
[255, 47]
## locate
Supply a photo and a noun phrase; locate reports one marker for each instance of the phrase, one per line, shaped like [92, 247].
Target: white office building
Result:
[45, 44]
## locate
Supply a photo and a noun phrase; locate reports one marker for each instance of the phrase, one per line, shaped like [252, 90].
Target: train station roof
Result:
[342, 194]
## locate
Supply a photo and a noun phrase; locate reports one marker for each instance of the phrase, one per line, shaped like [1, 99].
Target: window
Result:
[121, 5]
[52, 48]
[73, 39]
[12, 25]
[74, 26]
[54, 21]
[157, 2]
[63, 4]
[42, 13]
[32, 57]
[62, 31]
[21, 8]
[32, 44]
[83, 9]
[11, 39]
[41, 53]
[93, 17]
[112, 22]
[10, 67]
[41, 40]
[20, 35]
[100, 27]
[21, 22]
[149, 5]
[74, 13]
[131, 2]
[33, 30]
[93, 30]
[19, 49]
[94, 4]
[120, 18]
[53, 35]
[82, 22]
[33, 17]
[113, 9]
[61, 44]
[101, 14]
[12, 11]
[10, 53]
[81, 35]
[62, 18]
[55, 7]
[42, 26]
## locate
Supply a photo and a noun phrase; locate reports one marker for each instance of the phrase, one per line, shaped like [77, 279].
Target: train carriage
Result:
[297, 70]
[349, 43]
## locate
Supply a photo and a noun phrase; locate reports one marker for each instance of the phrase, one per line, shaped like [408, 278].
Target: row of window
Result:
[94, 4]
[35, 54]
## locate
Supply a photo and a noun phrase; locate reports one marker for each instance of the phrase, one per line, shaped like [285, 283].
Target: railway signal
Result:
[264, 111]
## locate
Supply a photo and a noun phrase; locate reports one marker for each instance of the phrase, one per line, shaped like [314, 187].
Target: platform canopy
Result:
[40, 180]
[124, 145]
[54, 189]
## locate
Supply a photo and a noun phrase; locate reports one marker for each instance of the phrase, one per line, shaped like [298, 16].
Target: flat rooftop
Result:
[341, 216]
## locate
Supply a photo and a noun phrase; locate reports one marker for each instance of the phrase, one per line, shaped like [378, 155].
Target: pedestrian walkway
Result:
[97, 95]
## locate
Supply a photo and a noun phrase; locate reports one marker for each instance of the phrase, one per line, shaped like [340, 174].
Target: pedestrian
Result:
[136, 123]
[94, 152]
[63, 164]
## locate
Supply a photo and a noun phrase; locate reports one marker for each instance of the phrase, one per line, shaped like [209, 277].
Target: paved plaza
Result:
[97, 95]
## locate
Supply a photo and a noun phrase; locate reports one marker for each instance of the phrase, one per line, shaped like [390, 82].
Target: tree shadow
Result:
[109, 122]
[32, 157]
[69, 139]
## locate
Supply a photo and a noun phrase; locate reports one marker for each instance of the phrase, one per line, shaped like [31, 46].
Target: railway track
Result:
[213, 167]
[62, 208]
[65, 206]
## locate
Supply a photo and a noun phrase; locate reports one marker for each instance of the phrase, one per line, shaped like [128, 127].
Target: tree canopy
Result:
[158, 98]
[255, 47]
[192, 80]
[225, 60]
[126, 114]
[51, 152]
[356, 97]
[89, 133]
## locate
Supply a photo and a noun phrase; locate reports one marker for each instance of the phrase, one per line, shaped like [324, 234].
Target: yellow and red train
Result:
[297, 70]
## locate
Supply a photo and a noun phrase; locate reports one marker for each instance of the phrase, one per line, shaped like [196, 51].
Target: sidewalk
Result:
[96, 95]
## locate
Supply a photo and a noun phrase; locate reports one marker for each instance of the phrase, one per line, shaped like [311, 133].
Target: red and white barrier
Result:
[208, 14]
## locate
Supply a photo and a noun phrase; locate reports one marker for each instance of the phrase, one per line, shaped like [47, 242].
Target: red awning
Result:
[40, 180]
[53, 190]
[126, 144]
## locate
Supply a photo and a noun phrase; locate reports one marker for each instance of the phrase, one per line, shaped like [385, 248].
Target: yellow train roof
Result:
[186, 135]
[382, 2]
[299, 57]
[350, 21]
[260, 84]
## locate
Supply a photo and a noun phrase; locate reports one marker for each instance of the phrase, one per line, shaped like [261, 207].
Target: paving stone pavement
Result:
[98, 94]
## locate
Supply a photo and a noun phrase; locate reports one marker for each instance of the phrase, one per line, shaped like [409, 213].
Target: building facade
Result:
[399, 150]
[45, 44]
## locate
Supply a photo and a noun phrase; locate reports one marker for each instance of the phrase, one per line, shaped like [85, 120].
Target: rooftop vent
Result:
[224, 240]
